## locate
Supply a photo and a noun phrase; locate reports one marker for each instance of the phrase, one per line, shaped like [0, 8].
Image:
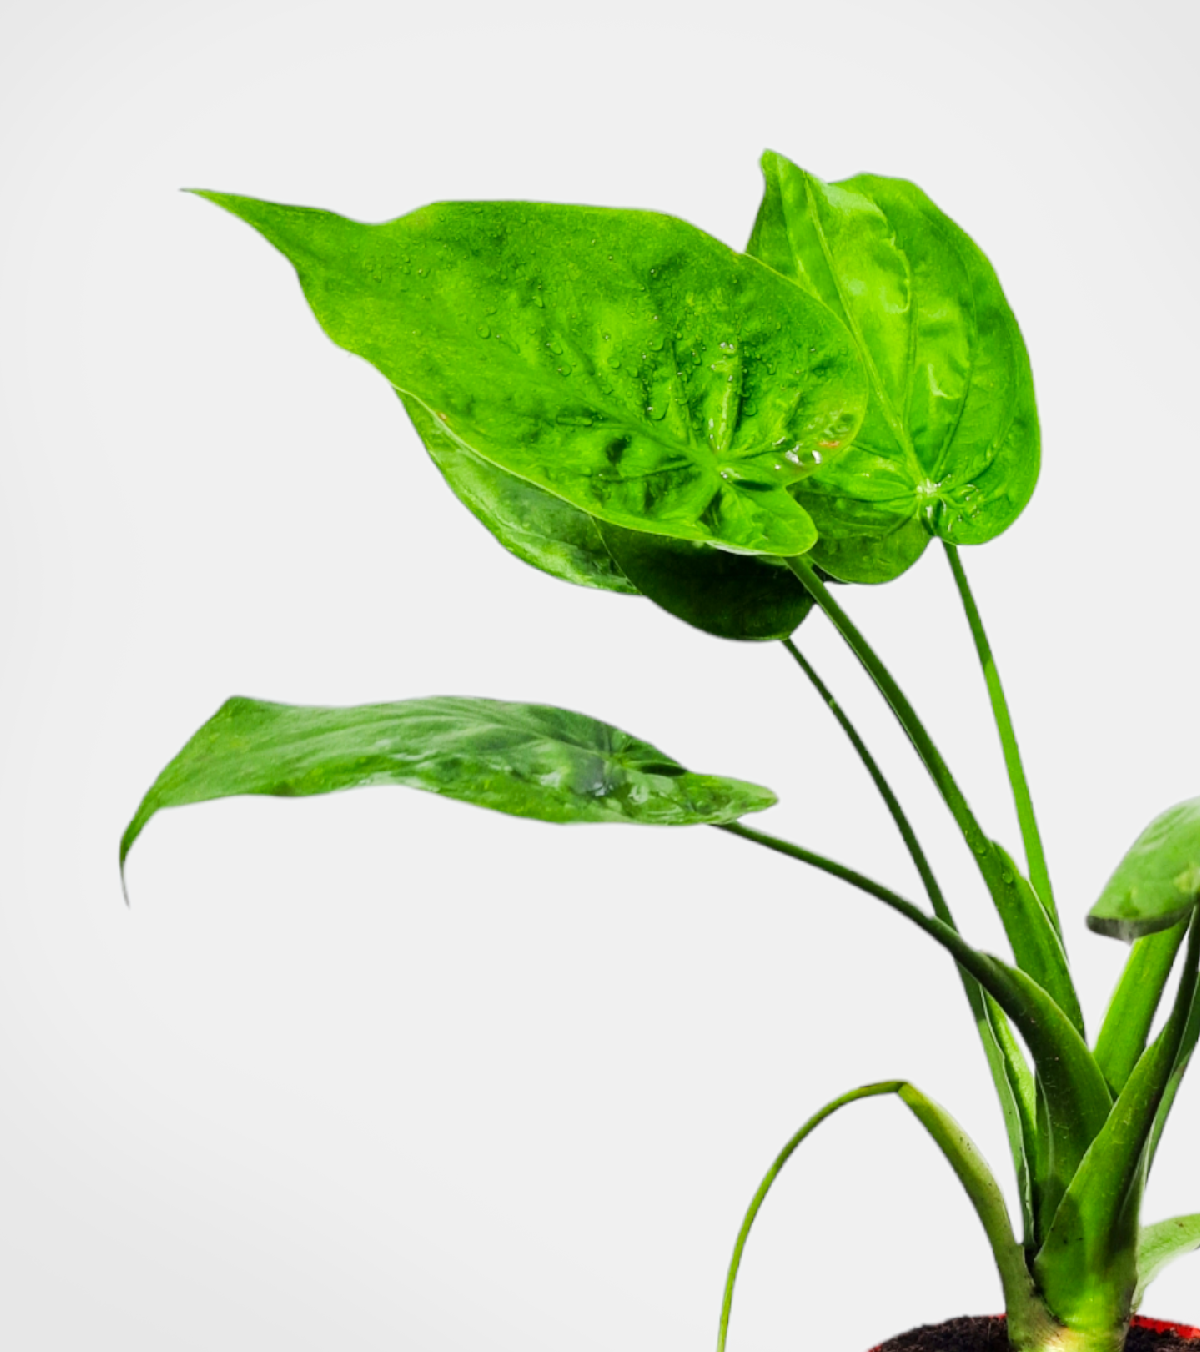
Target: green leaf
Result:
[950, 443]
[1016, 1090]
[1134, 1002]
[1157, 884]
[1091, 1243]
[537, 527]
[1162, 1243]
[623, 360]
[964, 1158]
[739, 596]
[529, 760]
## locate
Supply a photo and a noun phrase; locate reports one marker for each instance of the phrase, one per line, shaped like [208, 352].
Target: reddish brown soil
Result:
[986, 1333]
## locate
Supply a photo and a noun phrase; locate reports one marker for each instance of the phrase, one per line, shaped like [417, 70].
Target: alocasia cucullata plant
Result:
[628, 404]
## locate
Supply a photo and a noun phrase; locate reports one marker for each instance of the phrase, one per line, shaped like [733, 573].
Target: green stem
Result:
[1035, 855]
[903, 825]
[1031, 932]
[1005, 1061]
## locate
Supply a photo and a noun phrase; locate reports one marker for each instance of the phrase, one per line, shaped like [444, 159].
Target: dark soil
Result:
[988, 1334]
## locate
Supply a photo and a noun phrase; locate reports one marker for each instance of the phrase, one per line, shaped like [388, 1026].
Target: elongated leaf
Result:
[1157, 884]
[963, 1157]
[738, 596]
[1094, 1230]
[529, 522]
[529, 760]
[623, 360]
[950, 444]
[1134, 1002]
[1016, 1089]
[1183, 1058]
[1162, 1243]
[1035, 942]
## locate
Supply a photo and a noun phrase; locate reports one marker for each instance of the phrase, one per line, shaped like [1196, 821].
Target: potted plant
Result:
[626, 403]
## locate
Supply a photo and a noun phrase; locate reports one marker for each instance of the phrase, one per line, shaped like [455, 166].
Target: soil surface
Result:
[987, 1334]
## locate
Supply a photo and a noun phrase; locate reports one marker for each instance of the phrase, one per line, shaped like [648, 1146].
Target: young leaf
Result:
[1162, 1243]
[529, 760]
[963, 1157]
[622, 360]
[1134, 1002]
[1157, 884]
[740, 596]
[950, 444]
[537, 527]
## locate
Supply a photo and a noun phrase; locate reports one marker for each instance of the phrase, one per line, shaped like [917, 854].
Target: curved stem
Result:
[1006, 1063]
[1031, 932]
[903, 825]
[1035, 855]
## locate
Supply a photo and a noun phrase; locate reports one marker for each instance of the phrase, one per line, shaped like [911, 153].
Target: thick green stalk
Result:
[1005, 1059]
[1035, 855]
[1027, 923]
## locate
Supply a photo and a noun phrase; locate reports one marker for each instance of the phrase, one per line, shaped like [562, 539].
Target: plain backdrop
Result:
[382, 1071]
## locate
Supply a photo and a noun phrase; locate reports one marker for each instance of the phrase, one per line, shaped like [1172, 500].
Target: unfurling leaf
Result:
[1157, 884]
[950, 444]
[529, 760]
[624, 361]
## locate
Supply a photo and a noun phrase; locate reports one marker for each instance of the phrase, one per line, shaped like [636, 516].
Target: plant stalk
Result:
[1035, 855]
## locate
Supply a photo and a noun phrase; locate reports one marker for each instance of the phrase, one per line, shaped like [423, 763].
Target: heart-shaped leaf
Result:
[1157, 884]
[529, 760]
[622, 360]
[950, 444]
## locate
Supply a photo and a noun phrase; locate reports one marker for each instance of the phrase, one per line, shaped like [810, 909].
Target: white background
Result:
[384, 1071]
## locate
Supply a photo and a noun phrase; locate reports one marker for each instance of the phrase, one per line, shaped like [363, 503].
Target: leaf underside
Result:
[950, 443]
[529, 760]
[623, 361]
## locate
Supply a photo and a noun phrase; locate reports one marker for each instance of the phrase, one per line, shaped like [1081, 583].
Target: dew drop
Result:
[538, 301]
[555, 346]
[564, 370]
[483, 331]
[614, 362]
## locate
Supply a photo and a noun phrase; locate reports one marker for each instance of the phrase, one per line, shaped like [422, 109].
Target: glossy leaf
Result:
[529, 760]
[1157, 884]
[1134, 1002]
[623, 360]
[531, 523]
[739, 596]
[964, 1158]
[1162, 1243]
[1094, 1232]
[950, 443]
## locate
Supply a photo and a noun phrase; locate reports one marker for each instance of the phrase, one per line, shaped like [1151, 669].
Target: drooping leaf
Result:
[1094, 1231]
[1162, 1243]
[950, 443]
[539, 528]
[964, 1158]
[740, 596]
[1134, 1002]
[623, 360]
[1157, 884]
[529, 760]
